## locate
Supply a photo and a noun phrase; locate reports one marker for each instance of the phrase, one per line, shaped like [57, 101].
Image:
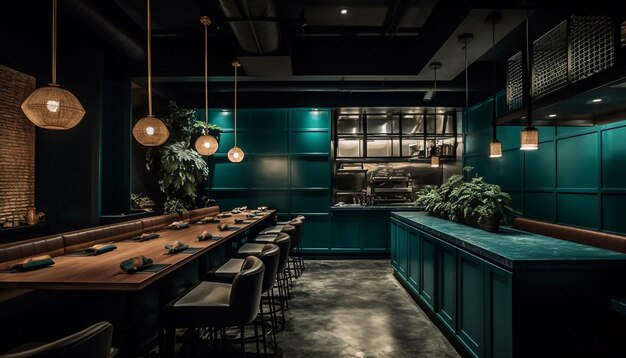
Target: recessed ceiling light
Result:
[597, 100]
[343, 11]
[552, 115]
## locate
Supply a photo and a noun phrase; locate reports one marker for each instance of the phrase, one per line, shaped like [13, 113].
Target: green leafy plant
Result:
[174, 206]
[180, 169]
[139, 201]
[469, 200]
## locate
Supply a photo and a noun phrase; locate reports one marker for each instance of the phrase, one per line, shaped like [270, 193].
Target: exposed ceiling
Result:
[376, 54]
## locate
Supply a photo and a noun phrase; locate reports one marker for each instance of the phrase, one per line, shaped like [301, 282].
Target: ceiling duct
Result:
[250, 23]
[101, 20]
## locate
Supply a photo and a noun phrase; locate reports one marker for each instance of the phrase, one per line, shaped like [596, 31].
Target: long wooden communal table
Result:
[101, 291]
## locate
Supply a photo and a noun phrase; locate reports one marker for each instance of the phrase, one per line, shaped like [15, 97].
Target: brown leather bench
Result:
[100, 234]
[199, 214]
[599, 239]
[15, 252]
[155, 223]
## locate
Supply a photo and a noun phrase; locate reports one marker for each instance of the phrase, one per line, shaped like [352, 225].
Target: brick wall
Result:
[17, 144]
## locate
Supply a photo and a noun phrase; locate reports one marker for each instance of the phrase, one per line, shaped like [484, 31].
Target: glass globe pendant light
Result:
[235, 154]
[52, 107]
[206, 144]
[150, 131]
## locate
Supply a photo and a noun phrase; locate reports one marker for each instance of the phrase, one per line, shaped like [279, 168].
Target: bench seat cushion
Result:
[199, 214]
[155, 223]
[599, 239]
[100, 234]
[17, 251]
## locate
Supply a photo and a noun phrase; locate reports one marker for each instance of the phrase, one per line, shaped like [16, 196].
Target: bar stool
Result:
[291, 271]
[298, 223]
[269, 255]
[216, 305]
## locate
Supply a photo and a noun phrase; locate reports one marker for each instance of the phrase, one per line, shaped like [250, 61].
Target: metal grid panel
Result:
[592, 45]
[514, 83]
[550, 61]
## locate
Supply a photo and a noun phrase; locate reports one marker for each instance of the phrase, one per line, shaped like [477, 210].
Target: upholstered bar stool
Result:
[270, 255]
[296, 249]
[216, 305]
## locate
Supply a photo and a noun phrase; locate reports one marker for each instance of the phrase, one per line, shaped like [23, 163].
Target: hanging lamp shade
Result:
[495, 149]
[206, 144]
[235, 154]
[52, 107]
[529, 139]
[435, 161]
[149, 130]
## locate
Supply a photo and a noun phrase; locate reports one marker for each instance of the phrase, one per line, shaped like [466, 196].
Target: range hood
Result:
[578, 75]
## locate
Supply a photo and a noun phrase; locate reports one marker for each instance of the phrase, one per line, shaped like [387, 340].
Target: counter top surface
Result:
[509, 247]
[348, 207]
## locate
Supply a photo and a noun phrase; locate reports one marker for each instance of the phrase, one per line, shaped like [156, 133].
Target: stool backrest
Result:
[245, 295]
[283, 241]
[93, 342]
[270, 256]
[297, 224]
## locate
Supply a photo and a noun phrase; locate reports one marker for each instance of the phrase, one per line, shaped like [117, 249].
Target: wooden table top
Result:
[103, 272]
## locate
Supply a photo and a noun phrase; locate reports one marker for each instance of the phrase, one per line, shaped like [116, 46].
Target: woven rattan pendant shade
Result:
[53, 107]
[150, 131]
[529, 139]
[495, 149]
[235, 154]
[435, 161]
[206, 145]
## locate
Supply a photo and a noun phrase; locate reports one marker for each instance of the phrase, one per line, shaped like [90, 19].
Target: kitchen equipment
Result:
[390, 190]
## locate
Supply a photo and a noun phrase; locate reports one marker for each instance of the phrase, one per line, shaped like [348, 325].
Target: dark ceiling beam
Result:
[354, 31]
[394, 15]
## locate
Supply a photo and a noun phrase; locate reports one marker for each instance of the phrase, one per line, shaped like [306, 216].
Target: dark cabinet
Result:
[393, 244]
[415, 271]
[403, 252]
[471, 283]
[427, 287]
[446, 284]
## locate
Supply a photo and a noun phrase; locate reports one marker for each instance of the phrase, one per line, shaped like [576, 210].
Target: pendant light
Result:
[52, 107]
[495, 147]
[235, 154]
[150, 131]
[206, 144]
[435, 160]
[465, 39]
[529, 135]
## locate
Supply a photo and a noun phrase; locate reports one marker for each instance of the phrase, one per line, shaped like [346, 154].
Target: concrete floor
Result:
[356, 308]
[349, 308]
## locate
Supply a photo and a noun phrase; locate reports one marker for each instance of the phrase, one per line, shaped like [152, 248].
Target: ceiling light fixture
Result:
[597, 100]
[343, 11]
[206, 144]
[552, 115]
[52, 107]
[495, 147]
[235, 154]
[530, 135]
[150, 131]
[435, 160]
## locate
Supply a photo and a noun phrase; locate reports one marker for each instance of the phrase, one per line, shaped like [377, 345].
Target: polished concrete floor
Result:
[351, 308]
[356, 308]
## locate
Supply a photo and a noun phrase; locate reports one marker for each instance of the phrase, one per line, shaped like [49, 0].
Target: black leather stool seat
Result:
[272, 230]
[266, 238]
[231, 267]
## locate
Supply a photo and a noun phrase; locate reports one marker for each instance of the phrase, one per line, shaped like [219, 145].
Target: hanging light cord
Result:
[529, 108]
[493, 38]
[54, 42]
[205, 21]
[236, 65]
[149, 63]
[435, 94]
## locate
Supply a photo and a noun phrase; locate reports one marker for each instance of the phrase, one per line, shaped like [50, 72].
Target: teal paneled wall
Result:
[577, 176]
[287, 165]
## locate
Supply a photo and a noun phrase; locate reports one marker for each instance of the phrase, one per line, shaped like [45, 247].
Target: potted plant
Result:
[468, 200]
[141, 202]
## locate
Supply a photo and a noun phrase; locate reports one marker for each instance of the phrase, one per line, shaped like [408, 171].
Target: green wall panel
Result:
[577, 162]
[316, 235]
[509, 136]
[266, 120]
[310, 172]
[310, 119]
[271, 198]
[579, 210]
[272, 142]
[269, 172]
[539, 167]
[227, 141]
[613, 209]
[506, 171]
[345, 233]
[518, 200]
[546, 133]
[228, 200]
[375, 231]
[228, 175]
[540, 206]
[614, 158]
[310, 201]
[310, 142]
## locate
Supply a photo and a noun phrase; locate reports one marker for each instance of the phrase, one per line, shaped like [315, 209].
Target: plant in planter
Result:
[468, 200]
[141, 202]
[179, 169]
